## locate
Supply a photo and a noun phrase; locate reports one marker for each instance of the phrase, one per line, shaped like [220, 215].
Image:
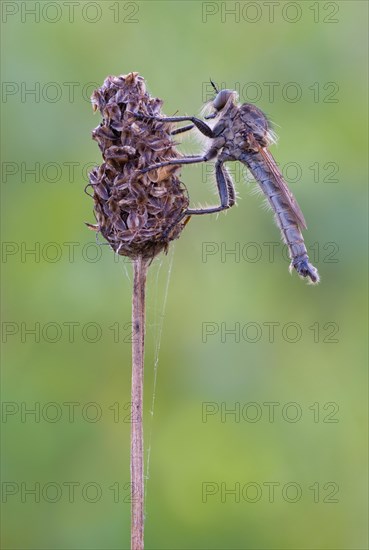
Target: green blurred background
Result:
[313, 450]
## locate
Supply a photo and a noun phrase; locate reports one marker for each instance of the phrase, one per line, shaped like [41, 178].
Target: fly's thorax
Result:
[224, 123]
[229, 113]
[254, 124]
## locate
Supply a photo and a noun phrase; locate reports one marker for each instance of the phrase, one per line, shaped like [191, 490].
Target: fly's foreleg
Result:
[202, 126]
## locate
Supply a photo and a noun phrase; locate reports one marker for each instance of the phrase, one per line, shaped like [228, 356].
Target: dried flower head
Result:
[136, 213]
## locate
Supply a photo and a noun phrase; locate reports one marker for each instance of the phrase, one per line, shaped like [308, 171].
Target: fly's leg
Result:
[202, 126]
[213, 151]
[226, 192]
[184, 160]
[182, 130]
[230, 187]
[227, 197]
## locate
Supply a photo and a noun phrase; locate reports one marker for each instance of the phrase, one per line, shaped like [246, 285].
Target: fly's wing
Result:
[281, 184]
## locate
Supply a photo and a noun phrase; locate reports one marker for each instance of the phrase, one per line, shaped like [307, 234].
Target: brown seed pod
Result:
[136, 213]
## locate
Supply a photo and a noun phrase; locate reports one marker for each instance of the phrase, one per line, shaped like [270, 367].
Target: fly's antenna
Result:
[215, 88]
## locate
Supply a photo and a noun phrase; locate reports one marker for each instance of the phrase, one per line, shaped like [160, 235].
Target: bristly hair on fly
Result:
[272, 135]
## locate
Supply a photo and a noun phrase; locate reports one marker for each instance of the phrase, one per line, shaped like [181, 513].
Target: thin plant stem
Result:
[137, 455]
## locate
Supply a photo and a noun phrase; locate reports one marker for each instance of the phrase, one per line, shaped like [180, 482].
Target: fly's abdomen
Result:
[284, 215]
[293, 238]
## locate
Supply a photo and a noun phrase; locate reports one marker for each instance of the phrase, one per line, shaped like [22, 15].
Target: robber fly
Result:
[243, 133]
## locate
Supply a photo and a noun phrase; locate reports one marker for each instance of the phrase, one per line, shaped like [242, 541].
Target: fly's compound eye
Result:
[221, 99]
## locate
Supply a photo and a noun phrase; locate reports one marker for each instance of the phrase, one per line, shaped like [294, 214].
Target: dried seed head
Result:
[136, 213]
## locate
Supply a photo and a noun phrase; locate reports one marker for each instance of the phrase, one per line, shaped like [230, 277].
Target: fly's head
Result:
[223, 100]
[256, 126]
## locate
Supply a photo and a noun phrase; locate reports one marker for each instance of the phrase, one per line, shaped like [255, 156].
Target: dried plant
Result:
[138, 214]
